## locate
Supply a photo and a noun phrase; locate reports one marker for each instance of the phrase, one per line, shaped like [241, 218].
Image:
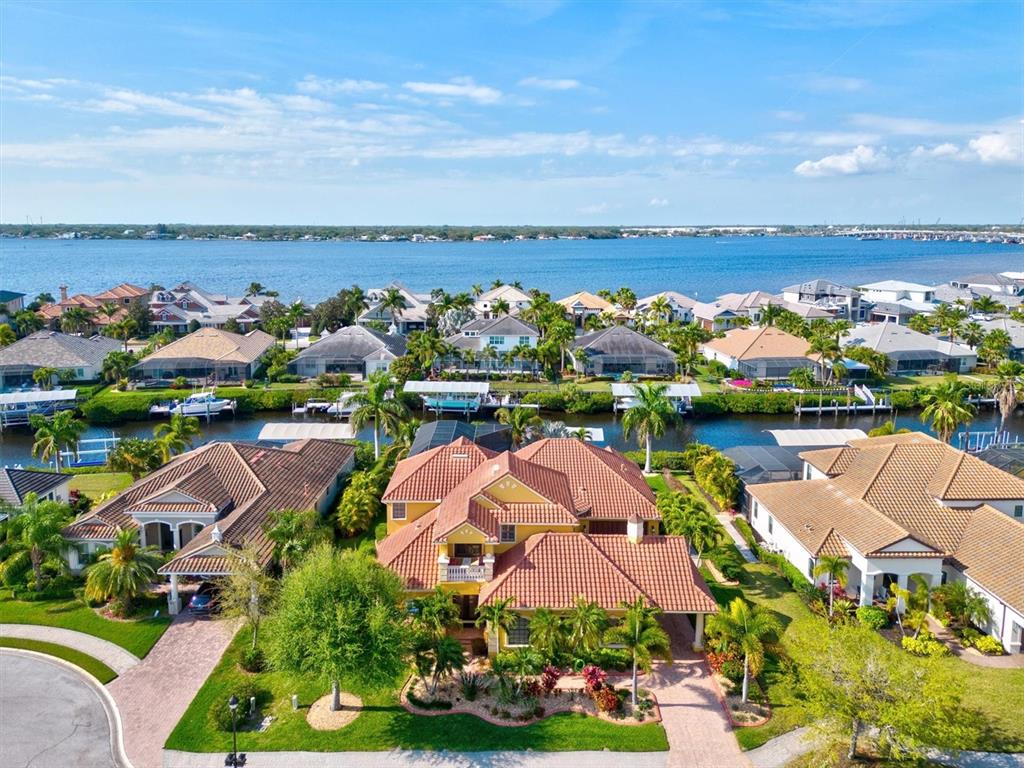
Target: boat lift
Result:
[94, 454]
[681, 396]
[450, 396]
[16, 408]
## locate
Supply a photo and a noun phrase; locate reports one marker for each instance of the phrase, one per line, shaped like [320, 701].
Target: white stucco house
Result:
[902, 505]
[515, 298]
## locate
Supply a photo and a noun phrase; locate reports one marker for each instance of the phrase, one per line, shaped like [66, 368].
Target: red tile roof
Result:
[431, 475]
[411, 553]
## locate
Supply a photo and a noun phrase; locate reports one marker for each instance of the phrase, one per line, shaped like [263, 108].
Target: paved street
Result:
[52, 715]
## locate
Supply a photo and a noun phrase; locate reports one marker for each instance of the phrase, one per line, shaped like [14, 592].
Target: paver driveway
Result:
[153, 695]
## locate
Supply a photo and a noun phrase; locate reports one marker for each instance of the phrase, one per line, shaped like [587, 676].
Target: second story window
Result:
[524, 341]
[1018, 510]
[496, 341]
[508, 533]
[398, 510]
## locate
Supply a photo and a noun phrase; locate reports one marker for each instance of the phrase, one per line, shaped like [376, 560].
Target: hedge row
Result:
[716, 404]
[575, 402]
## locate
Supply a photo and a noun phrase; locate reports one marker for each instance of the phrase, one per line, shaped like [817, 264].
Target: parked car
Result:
[205, 599]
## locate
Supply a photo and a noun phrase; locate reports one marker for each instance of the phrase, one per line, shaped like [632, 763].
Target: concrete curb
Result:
[113, 715]
[113, 655]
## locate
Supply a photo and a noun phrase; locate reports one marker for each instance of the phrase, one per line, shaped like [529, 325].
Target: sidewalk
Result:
[739, 541]
[111, 654]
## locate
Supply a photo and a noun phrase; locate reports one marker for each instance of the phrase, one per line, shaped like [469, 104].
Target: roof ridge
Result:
[615, 566]
[953, 474]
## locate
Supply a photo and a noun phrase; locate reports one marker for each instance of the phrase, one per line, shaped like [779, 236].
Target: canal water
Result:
[721, 432]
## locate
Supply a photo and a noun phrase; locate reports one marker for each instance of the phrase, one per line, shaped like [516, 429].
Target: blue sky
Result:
[512, 112]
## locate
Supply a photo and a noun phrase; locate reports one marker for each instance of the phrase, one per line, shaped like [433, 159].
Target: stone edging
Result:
[487, 718]
[113, 715]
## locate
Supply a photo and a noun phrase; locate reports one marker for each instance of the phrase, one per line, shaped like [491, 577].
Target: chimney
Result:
[215, 534]
[635, 529]
[63, 293]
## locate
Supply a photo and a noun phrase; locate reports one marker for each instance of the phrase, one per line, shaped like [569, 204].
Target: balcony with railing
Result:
[461, 569]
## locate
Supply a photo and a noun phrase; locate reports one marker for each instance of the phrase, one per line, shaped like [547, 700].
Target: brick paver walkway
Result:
[153, 695]
[114, 656]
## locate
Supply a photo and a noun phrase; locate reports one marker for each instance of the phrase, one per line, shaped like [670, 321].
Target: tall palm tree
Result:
[649, 416]
[547, 633]
[55, 435]
[585, 625]
[703, 532]
[833, 567]
[947, 408]
[476, 290]
[27, 322]
[255, 289]
[393, 302]
[522, 423]
[949, 320]
[75, 320]
[135, 456]
[641, 635]
[177, 434]
[427, 347]
[770, 313]
[973, 334]
[828, 352]
[374, 404]
[1006, 389]
[747, 629]
[293, 532]
[499, 616]
[660, 309]
[401, 440]
[921, 324]
[117, 365]
[35, 529]
[501, 307]
[123, 572]
[995, 347]
[122, 329]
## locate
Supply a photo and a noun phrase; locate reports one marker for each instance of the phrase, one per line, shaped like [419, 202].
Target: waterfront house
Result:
[910, 352]
[207, 355]
[16, 484]
[763, 352]
[838, 300]
[763, 464]
[896, 312]
[215, 499]
[413, 317]
[615, 350]
[82, 356]
[515, 298]
[487, 434]
[680, 306]
[897, 290]
[558, 520]
[582, 305]
[491, 340]
[188, 305]
[11, 303]
[990, 283]
[122, 296]
[1014, 329]
[901, 505]
[354, 350]
[734, 309]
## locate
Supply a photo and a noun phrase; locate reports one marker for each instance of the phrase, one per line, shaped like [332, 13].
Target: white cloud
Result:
[123, 100]
[550, 84]
[789, 115]
[328, 87]
[710, 146]
[946, 149]
[459, 88]
[834, 84]
[825, 138]
[658, 202]
[594, 209]
[997, 148]
[860, 159]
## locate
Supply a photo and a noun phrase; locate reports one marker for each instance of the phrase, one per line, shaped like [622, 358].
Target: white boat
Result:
[202, 403]
[343, 407]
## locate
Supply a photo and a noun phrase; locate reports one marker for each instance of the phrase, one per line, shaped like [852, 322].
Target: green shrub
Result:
[252, 660]
[969, 635]
[220, 712]
[989, 646]
[924, 645]
[872, 616]
[728, 561]
[746, 532]
[732, 669]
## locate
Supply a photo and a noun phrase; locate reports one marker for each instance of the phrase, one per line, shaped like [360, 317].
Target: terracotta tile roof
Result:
[587, 301]
[89, 528]
[605, 484]
[760, 342]
[198, 565]
[831, 461]
[217, 345]
[411, 553]
[122, 291]
[991, 553]
[431, 475]
[553, 569]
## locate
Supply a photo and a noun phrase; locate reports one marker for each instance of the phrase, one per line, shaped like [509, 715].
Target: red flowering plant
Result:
[716, 660]
[593, 678]
[606, 699]
[549, 679]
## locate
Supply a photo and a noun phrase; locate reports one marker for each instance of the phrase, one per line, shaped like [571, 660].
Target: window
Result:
[810, 567]
[468, 551]
[769, 523]
[496, 341]
[508, 533]
[398, 510]
[520, 633]
[1018, 510]
[524, 341]
[753, 510]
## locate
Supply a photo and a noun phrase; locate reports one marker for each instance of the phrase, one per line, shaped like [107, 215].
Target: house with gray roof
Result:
[11, 303]
[16, 484]
[1014, 329]
[354, 349]
[81, 355]
[504, 335]
[617, 349]
[764, 464]
[910, 352]
[838, 300]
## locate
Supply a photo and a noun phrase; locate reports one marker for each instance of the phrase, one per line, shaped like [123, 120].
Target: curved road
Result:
[52, 715]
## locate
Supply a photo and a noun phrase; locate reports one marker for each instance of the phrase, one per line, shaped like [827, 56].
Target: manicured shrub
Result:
[252, 660]
[872, 616]
[220, 712]
[728, 561]
[606, 699]
[989, 646]
[732, 669]
[924, 645]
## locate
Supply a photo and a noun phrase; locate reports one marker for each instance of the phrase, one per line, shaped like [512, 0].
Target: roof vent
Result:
[460, 455]
[215, 534]
[495, 468]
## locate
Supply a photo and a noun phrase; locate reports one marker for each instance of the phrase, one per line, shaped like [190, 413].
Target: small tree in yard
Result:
[341, 615]
[966, 605]
[435, 613]
[642, 636]
[746, 629]
[436, 658]
[123, 572]
[247, 592]
[34, 533]
[499, 616]
[834, 568]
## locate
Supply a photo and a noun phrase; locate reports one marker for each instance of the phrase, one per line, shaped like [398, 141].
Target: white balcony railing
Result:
[467, 572]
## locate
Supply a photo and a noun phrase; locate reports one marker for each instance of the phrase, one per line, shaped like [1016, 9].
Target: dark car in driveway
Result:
[205, 599]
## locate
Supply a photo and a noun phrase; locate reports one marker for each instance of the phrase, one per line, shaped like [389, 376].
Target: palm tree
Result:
[1005, 390]
[834, 568]
[965, 604]
[828, 352]
[651, 413]
[441, 656]
[660, 309]
[55, 435]
[426, 347]
[293, 532]
[499, 616]
[255, 289]
[703, 532]
[135, 456]
[123, 572]
[769, 314]
[500, 307]
[35, 529]
[393, 302]
[995, 347]
[476, 290]
[401, 440]
[585, 625]
[987, 305]
[522, 423]
[27, 322]
[108, 309]
[949, 320]
[177, 434]
[117, 365]
[7, 335]
[75, 320]
[887, 428]
[374, 404]
[921, 324]
[122, 329]
[641, 635]
[973, 334]
[547, 633]
[747, 629]
[946, 407]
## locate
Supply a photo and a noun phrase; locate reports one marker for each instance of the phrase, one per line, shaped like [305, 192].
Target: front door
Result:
[467, 608]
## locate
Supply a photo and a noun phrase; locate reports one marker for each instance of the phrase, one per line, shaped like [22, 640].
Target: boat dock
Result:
[17, 408]
[871, 404]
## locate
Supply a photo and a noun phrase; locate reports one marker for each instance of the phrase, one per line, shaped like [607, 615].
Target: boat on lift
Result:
[202, 403]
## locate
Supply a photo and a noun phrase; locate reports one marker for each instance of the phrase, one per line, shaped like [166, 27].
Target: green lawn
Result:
[657, 483]
[94, 667]
[137, 636]
[95, 485]
[384, 724]
[987, 691]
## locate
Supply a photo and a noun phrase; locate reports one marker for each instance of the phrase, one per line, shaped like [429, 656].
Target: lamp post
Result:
[234, 760]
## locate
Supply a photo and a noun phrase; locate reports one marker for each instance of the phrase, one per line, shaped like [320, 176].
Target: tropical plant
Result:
[393, 302]
[176, 435]
[293, 532]
[715, 473]
[649, 416]
[828, 351]
[374, 404]
[642, 637]
[76, 320]
[947, 408]
[547, 633]
[887, 428]
[54, 435]
[523, 424]
[135, 456]
[987, 305]
[248, 592]
[802, 378]
[436, 612]
[35, 529]
[43, 377]
[966, 605]
[117, 365]
[995, 346]
[1006, 389]
[684, 515]
[123, 572]
[585, 625]
[401, 440]
[497, 616]
[27, 321]
[921, 324]
[7, 335]
[833, 568]
[500, 307]
[437, 657]
[747, 630]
